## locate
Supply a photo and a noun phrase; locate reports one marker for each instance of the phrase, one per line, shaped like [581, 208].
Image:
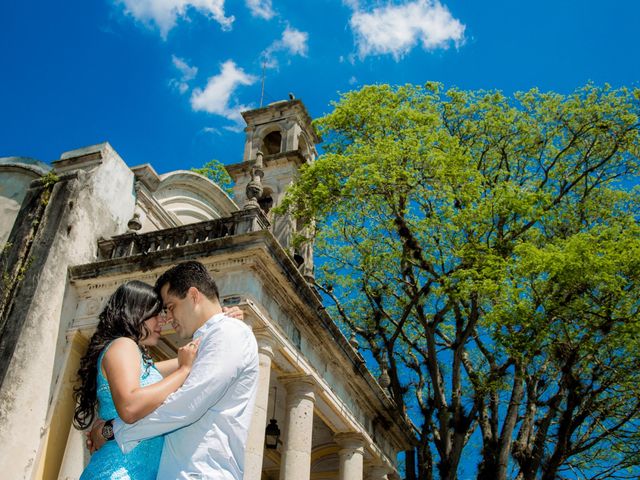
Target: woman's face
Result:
[154, 327]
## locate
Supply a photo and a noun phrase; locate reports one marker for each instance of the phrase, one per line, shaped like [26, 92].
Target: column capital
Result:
[349, 440]
[351, 455]
[266, 342]
[299, 385]
[378, 472]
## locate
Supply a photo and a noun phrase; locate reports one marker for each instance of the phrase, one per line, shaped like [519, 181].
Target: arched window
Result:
[271, 143]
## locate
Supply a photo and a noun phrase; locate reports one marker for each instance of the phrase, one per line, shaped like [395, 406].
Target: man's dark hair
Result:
[186, 275]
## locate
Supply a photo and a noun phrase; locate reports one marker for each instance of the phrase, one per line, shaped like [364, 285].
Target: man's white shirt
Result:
[207, 420]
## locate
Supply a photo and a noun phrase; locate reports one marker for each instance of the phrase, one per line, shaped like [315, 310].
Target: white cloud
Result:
[216, 96]
[295, 41]
[188, 74]
[354, 4]
[396, 29]
[164, 13]
[292, 41]
[353, 80]
[260, 8]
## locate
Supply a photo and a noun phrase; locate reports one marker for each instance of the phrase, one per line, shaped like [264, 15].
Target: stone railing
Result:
[130, 244]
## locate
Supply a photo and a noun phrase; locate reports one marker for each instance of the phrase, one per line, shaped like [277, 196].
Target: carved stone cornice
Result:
[147, 175]
[237, 170]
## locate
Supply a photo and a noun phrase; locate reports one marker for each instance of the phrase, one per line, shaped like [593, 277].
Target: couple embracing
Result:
[186, 418]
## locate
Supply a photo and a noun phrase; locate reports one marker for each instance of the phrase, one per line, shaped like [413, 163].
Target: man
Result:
[206, 421]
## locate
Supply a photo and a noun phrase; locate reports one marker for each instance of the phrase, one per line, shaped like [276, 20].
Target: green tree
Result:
[486, 251]
[214, 170]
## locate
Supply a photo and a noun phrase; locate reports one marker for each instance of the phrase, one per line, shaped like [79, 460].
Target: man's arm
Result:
[220, 360]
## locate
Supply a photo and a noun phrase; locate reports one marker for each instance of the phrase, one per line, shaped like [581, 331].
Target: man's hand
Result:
[95, 440]
[234, 312]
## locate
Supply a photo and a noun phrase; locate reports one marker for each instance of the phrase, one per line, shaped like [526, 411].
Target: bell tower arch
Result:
[280, 128]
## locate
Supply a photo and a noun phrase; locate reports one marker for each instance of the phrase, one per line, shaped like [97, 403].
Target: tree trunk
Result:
[509, 425]
[410, 464]
[488, 466]
[425, 463]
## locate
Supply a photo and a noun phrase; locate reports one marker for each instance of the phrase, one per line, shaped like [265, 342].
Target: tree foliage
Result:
[486, 250]
[214, 170]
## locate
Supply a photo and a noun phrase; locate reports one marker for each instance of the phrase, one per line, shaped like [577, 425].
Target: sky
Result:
[164, 81]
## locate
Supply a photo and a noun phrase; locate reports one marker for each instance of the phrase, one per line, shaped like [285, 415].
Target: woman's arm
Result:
[121, 365]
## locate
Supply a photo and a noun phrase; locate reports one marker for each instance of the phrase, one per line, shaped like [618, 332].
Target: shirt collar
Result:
[208, 325]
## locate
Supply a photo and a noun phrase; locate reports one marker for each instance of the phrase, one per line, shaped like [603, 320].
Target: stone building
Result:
[77, 229]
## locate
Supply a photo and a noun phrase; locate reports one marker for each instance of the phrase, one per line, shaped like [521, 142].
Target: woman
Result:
[117, 376]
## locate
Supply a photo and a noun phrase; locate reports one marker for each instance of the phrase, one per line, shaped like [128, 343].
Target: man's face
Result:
[180, 312]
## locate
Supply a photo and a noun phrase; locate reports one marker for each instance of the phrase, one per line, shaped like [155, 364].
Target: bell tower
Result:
[279, 140]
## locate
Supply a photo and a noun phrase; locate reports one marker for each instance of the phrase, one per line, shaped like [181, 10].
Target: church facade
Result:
[74, 231]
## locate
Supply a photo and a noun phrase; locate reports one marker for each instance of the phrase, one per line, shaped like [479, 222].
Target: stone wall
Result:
[93, 198]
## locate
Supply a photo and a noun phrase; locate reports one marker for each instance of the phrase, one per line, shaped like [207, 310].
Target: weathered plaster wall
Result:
[15, 177]
[100, 203]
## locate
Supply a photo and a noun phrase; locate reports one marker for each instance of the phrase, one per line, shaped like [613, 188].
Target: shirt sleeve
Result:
[219, 362]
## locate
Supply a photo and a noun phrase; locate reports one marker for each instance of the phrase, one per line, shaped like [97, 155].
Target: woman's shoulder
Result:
[123, 341]
[122, 346]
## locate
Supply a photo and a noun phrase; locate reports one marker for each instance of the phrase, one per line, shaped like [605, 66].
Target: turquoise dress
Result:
[109, 462]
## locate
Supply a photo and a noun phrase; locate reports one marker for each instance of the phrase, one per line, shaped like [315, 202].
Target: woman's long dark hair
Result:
[124, 315]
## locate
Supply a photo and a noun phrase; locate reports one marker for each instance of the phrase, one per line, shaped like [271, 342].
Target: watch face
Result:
[107, 431]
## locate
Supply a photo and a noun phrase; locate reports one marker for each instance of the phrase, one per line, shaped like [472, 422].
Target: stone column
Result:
[296, 460]
[378, 472]
[55, 458]
[76, 456]
[351, 455]
[255, 442]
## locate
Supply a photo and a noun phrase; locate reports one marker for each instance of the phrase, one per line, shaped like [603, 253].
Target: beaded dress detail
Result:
[109, 463]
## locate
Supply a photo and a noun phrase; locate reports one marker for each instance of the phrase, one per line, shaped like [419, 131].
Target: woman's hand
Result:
[122, 367]
[187, 354]
[233, 312]
[95, 440]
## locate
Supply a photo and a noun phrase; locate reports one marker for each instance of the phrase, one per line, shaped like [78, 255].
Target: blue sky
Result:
[164, 80]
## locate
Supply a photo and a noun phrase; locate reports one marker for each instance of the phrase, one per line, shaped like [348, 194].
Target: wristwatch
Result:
[107, 430]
